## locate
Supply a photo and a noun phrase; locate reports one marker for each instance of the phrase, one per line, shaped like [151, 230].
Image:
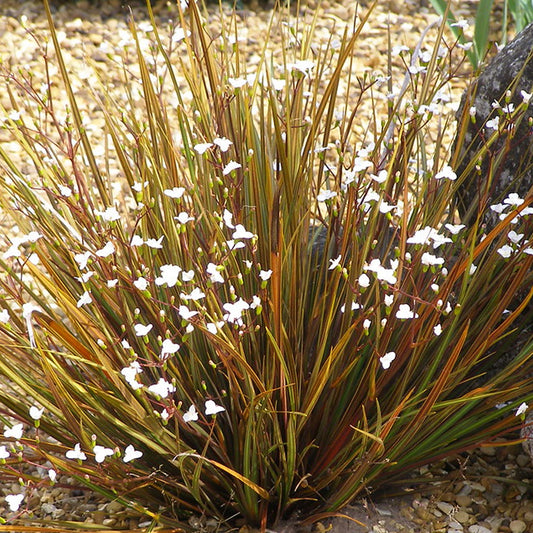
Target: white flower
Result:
[109, 215]
[112, 283]
[367, 323]
[52, 474]
[36, 413]
[138, 186]
[33, 236]
[202, 147]
[176, 192]
[389, 300]
[82, 259]
[191, 415]
[526, 97]
[211, 408]
[162, 388]
[230, 167]
[256, 302]
[421, 236]
[265, 274]
[14, 501]
[493, 123]
[222, 143]
[214, 273]
[383, 274]
[183, 218]
[187, 275]
[454, 229]
[404, 312]
[85, 299]
[241, 233]
[155, 243]
[364, 281]
[169, 275]
[234, 245]
[498, 208]
[360, 163]
[385, 208]
[522, 409]
[185, 313]
[168, 348]
[399, 49]
[334, 263]
[84, 278]
[130, 453]
[324, 196]
[130, 372]
[213, 327]
[136, 240]
[462, 23]
[14, 432]
[28, 309]
[196, 294]
[4, 316]
[64, 191]
[305, 67]
[446, 173]
[141, 330]
[237, 83]
[387, 359]
[228, 219]
[76, 453]
[513, 199]
[107, 250]
[505, 251]
[437, 330]
[515, 237]
[380, 177]
[278, 84]
[141, 283]
[180, 34]
[4, 454]
[100, 453]
[354, 307]
[431, 260]
[235, 310]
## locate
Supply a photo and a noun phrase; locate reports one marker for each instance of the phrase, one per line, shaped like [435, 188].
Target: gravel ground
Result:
[488, 491]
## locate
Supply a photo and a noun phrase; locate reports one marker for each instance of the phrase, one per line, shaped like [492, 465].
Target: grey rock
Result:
[507, 166]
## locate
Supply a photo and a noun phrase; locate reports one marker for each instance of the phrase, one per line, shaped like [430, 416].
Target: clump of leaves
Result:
[255, 304]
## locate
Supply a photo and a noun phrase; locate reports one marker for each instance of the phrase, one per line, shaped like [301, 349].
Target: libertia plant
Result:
[256, 298]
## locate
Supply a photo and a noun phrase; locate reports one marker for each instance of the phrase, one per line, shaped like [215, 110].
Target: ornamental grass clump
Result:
[254, 296]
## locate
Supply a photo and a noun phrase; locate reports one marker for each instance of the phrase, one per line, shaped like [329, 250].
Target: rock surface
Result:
[497, 105]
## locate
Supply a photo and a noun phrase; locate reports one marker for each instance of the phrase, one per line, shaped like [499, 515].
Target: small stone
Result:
[528, 516]
[96, 38]
[462, 517]
[478, 529]
[114, 507]
[517, 526]
[447, 497]
[445, 507]
[99, 516]
[478, 486]
[463, 500]
[424, 514]
[523, 460]
[488, 450]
